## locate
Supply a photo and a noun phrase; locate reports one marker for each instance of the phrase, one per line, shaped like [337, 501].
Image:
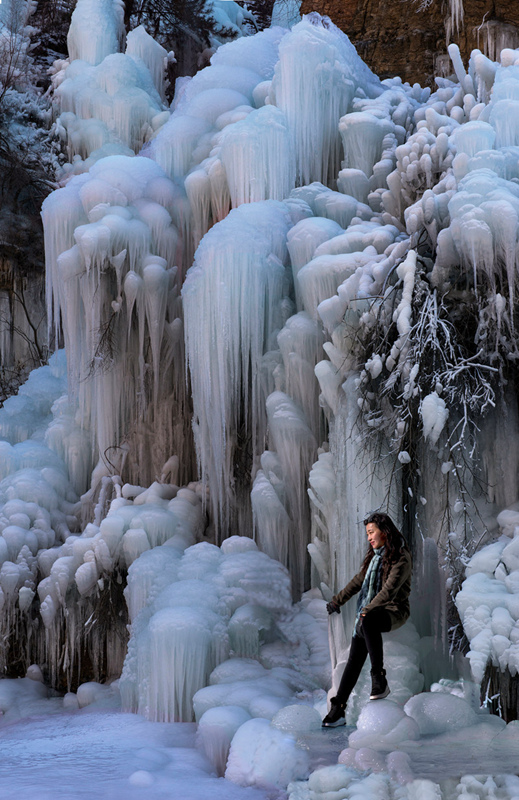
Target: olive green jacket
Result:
[393, 596]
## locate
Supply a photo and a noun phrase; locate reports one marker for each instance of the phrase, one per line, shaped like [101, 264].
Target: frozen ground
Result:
[48, 752]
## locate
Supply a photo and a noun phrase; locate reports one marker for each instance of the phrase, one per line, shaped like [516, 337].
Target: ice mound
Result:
[261, 755]
[402, 664]
[384, 724]
[95, 694]
[437, 712]
[297, 719]
[216, 728]
[20, 697]
[175, 626]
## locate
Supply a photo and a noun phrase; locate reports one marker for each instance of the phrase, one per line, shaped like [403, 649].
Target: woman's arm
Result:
[350, 589]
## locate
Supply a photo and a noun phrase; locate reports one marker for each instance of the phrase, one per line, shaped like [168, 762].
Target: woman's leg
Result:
[372, 626]
[352, 670]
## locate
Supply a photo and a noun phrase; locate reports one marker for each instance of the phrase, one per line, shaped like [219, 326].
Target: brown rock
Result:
[410, 39]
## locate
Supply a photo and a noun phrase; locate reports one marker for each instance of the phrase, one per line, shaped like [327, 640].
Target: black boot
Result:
[379, 687]
[335, 716]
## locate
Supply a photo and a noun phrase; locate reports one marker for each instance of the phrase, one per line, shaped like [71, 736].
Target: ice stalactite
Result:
[210, 603]
[300, 342]
[295, 445]
[96, 30]
[233, 307]
[314, 83]
[113, 285]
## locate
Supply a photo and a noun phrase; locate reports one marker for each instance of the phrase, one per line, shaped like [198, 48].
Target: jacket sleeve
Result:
[398, 574]
[350, 589]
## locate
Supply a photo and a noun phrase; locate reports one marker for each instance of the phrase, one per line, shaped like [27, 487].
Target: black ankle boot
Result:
[335, 716]
[379, 687]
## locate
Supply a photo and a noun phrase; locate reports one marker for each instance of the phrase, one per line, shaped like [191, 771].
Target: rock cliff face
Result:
[409, 37]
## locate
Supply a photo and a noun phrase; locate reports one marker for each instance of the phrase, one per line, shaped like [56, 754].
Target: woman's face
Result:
[375, 536]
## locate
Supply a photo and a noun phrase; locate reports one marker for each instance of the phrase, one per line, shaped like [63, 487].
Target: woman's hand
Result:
[332, 607]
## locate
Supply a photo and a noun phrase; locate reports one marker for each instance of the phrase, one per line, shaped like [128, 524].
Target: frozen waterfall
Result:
[286, 301]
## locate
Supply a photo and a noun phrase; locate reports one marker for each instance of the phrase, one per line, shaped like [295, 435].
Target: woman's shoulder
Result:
[403, 555]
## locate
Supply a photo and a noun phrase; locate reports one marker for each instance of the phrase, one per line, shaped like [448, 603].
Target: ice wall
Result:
[328, 211]
[488, 602]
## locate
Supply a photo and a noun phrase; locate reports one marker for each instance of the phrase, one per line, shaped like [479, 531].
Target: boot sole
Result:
[334, 724]
[380, 696]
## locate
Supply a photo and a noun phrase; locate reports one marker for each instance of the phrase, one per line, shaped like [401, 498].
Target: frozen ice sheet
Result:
[106, 755]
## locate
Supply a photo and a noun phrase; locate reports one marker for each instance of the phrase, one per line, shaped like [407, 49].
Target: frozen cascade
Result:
[139, 44]
[112, 283]
[111, 104]
[224, 360]
[432, 202]
[209, 127]
[96, 30]
[314, 83]
[257, 157]
[176, 631]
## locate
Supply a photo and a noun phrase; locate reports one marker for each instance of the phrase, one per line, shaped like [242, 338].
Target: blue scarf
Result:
[371, 584]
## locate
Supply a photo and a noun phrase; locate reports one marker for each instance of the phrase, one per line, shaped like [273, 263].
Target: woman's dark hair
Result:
[395, 542]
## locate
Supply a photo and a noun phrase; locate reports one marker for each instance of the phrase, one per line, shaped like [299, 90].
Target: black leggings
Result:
[369, 641]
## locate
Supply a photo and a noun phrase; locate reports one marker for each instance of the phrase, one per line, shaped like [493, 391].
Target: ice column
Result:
[232, 298]
[96, 30]
[314, 83]
[113, 283]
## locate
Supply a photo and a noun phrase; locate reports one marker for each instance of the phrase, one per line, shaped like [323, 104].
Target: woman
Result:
[383, 583]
